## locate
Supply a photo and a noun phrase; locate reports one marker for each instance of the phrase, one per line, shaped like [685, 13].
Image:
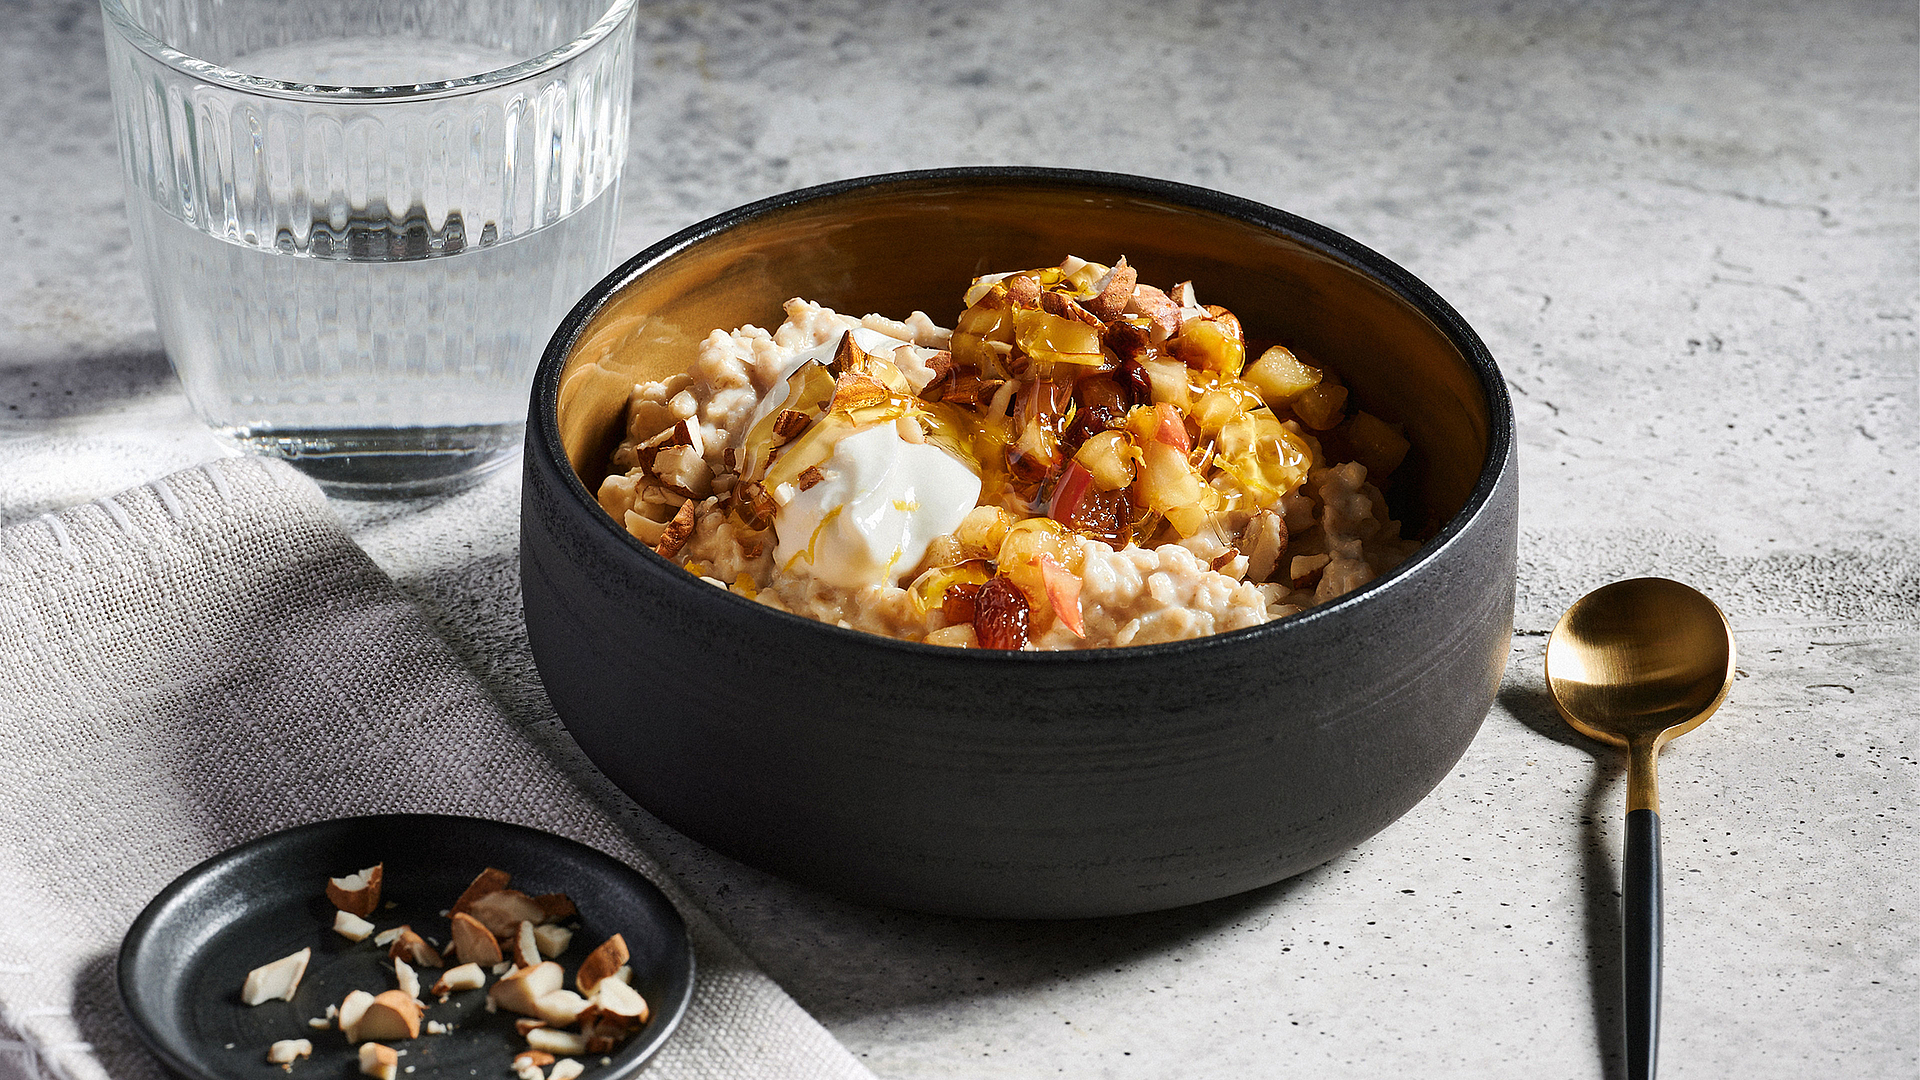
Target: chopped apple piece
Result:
[464, 977]
[276, 981]
[1280, 376]
[379, 1062]
[351, 926]
[552, 940]
[1378, 445]
[522, 990]
[414, 949]
[601, 963]
[474, 942]
[1319, 408]
[286, 1051]
[526, 947]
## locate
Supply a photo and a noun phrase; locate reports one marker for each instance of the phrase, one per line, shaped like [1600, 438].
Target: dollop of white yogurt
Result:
[880, 501]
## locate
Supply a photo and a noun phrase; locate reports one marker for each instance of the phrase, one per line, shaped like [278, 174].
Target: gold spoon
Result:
[1637, 664]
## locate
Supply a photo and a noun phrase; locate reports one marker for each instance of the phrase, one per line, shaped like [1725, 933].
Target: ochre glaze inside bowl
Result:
[896, 248]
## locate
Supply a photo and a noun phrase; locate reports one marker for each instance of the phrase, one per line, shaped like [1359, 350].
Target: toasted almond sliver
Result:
[473, 941]
[351, 926]
[414, 949]
[277, 980]
[377, 1061]
[489, 880]
[467, 976]
[564, 1043]
[357, 892]
[600, 963]
[526, 947]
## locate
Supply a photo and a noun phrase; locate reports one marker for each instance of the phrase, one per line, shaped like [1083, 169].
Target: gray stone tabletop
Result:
[1689, 232]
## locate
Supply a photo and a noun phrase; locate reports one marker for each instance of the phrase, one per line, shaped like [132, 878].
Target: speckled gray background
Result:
[1687, 231]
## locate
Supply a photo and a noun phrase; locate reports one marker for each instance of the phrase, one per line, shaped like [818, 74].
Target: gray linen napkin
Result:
[209, 658]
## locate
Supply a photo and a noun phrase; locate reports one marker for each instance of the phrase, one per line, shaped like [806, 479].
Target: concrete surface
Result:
[1688, 232]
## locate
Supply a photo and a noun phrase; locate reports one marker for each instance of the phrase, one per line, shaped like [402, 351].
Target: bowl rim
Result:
[1328, 242]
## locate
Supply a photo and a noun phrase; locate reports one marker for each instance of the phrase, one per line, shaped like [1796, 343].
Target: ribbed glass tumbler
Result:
[361, 220]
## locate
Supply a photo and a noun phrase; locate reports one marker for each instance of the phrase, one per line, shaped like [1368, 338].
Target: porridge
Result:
[1081, 461]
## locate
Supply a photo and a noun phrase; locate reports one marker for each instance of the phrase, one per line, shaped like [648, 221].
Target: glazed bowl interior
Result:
[915, 243]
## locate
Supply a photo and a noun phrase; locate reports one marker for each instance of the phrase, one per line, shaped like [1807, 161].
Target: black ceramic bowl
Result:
[1022, 784]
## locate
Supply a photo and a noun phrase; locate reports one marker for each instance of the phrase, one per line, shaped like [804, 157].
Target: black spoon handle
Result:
[1640, 935]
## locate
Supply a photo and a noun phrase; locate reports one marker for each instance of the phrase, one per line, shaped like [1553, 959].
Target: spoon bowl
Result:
[1637, 664]
[1643, 659]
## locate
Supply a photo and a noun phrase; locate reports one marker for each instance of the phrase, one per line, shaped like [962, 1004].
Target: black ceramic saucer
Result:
[186, 956]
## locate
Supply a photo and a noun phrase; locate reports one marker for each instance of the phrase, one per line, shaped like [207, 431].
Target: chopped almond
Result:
[553, 1041]
[409, 981]
[385, 937]
[524, 1024]
[473, 941]
[276, 981]
[560, 1007]
[1114, 294]
[284, 1052]
[1023, 290]
[620, 1004]
[351, 1010]
[554, 906]
[351, 926]
[490, 880]
[565, 1069]
[379, 1062]
[808, 477]
[464, 977]
[600, 963]
[553, 940]
[526, 947]
[358, 893]
[414, 949]
[521, 990]
[391, 1015]
[677, 533]
[501, 912]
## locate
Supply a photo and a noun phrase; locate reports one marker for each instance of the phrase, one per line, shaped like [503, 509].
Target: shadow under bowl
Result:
[985, 783]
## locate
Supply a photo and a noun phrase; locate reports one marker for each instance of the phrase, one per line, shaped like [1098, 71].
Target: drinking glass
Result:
[360, 220]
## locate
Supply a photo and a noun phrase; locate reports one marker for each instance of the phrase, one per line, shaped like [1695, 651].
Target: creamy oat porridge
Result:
[1082, 461]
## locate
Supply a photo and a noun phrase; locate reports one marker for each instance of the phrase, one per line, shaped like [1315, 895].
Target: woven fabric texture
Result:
[210, 658]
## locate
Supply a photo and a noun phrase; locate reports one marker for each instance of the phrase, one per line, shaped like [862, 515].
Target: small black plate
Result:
[186, 956]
